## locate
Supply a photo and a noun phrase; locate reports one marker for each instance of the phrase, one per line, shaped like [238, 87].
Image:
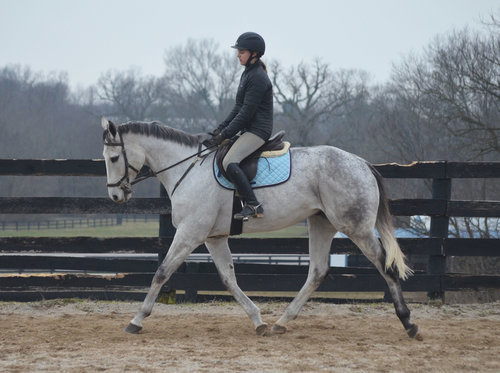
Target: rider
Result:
[252, 115]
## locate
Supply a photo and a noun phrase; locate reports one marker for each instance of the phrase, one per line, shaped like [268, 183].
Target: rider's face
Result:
[243, 56]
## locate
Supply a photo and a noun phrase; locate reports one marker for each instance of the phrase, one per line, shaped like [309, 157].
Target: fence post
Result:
[166, 230]
[441, 190]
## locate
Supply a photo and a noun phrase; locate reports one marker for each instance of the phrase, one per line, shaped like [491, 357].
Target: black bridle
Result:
[125, 184]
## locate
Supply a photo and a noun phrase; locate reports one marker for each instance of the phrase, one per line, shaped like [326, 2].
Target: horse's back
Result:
[331, 161]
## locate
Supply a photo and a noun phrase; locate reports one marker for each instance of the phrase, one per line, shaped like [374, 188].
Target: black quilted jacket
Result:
[253, 111]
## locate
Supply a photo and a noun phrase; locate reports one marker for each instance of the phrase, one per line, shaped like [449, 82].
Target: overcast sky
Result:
[88, 37]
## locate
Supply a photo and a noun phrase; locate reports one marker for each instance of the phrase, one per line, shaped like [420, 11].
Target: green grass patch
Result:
[137, 229]
[126, 229]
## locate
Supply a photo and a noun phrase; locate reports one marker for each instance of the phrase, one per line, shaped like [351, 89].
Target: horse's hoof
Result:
[261, 329]
[133, 329]
[413, 331]
[278, 329]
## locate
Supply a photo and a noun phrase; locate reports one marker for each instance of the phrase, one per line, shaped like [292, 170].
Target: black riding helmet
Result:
[251, 41]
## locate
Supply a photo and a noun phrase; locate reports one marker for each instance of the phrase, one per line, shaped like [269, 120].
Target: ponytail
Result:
[263, 65]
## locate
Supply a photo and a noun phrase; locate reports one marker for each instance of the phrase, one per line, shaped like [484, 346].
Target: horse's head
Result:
[122, 165]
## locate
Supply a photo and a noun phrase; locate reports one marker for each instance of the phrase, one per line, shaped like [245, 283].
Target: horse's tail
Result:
[394, 257]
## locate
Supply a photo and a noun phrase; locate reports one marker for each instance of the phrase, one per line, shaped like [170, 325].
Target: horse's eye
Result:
[115, 158]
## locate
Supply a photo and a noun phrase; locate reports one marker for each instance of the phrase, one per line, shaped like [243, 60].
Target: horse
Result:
[334, 190]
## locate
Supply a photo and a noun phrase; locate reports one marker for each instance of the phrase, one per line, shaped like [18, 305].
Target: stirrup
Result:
[250, 211]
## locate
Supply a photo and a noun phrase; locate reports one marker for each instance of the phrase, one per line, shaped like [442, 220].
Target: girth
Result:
[249, 164]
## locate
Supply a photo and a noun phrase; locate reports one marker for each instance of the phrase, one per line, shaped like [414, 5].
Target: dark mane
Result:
[160, 131]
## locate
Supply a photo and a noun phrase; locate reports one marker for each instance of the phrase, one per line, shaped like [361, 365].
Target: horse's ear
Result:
[104, 123]
[109, 126]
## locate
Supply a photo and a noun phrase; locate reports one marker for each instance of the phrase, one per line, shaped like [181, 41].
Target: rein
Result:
[124, 183]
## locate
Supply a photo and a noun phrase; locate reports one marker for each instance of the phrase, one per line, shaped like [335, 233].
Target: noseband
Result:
[125, 184]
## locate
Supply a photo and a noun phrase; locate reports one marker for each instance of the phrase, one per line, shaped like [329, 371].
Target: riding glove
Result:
[214, 141]
[215, 132]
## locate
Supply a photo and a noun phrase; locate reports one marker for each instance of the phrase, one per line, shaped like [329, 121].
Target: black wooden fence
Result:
[114, 276]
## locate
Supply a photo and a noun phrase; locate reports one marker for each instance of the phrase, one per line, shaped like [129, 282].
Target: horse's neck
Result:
[161, 153]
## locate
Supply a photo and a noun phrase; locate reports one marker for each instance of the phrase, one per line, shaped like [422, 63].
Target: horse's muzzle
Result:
[124, 196]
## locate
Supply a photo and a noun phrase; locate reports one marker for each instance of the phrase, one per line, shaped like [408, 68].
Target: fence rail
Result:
[135, 273]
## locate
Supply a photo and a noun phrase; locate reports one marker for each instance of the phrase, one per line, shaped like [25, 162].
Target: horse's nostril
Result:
[115, 197]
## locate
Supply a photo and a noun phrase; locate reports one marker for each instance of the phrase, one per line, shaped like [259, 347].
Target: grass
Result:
[127, 229]
[137, 229]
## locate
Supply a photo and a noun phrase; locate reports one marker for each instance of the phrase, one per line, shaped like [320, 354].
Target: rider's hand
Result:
[214, 141]
[215, 132]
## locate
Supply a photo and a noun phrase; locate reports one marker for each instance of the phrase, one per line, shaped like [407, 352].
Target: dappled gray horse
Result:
[334, 190]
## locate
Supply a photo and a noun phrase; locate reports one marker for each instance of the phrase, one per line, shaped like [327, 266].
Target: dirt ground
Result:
[87, 336]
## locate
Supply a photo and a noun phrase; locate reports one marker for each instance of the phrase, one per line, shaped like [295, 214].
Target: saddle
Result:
[273, 147]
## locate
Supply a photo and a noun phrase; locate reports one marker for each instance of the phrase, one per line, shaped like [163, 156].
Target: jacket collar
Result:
[253, 65]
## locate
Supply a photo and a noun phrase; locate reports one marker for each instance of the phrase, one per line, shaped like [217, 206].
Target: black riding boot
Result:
[252, 207]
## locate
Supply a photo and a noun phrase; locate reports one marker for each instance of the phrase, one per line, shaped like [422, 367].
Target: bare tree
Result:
[133, 96]
[310, 95]
[455, 84]
[403, 133]
[202, 83]
[445, 104]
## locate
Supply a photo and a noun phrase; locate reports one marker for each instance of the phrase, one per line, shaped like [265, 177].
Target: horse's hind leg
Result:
[321, 233]
[373, 250]
[223, 260]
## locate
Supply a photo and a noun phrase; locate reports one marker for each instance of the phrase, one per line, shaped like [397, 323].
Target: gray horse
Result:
[334, 190]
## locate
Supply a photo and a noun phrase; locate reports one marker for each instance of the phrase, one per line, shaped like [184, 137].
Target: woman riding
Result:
[252, 116]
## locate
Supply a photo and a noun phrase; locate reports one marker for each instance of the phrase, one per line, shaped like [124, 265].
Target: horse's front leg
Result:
[182, 245]
[223, 260]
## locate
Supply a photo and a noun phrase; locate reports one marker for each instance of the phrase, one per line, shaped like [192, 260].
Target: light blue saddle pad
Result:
[270, 171]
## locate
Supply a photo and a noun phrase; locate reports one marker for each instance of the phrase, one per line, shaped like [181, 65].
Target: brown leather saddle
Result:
[249, 164]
